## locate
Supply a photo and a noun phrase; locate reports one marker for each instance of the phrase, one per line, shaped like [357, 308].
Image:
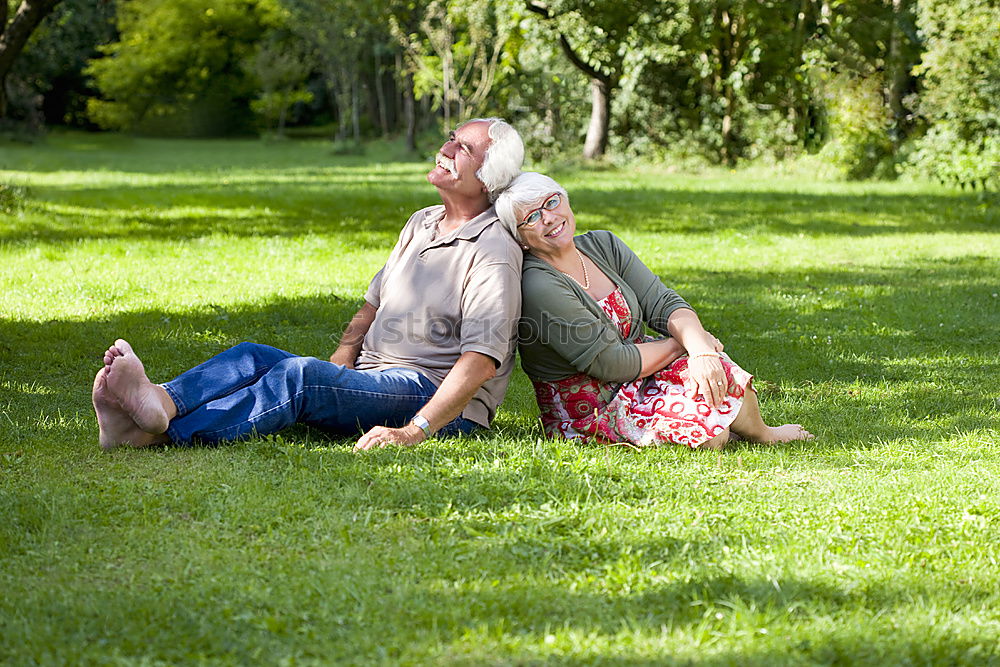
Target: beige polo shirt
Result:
[439, 297]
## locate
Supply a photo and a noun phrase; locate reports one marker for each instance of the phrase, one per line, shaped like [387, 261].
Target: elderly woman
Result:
[586, 301]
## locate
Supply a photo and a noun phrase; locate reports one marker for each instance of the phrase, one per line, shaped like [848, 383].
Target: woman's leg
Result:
[718, 442]
[750, 425]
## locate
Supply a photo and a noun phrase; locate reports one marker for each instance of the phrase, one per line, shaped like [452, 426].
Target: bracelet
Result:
[706, 354]
[422, 423]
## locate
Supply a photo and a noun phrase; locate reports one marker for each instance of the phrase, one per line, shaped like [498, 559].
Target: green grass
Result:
[868, 312]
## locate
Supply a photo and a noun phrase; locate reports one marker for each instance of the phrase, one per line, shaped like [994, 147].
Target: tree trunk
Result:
[13, 37]
[728, 58]
[600, 115]
[409, 113]
[899, 71]
[336, 84]
[798, 110]
[383, 111]
[355, 108]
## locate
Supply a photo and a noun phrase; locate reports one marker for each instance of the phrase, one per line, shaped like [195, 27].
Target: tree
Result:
[181, 66]
[14, 34]
[51, 67]
[961, 92]
[282, 69]
[595, 36]
[352, 50]
[456, 55]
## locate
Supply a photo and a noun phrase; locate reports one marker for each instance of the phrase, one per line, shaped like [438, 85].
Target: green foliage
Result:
[180, 66]
[457, 52]
[866, 311]
[860, 146]
[543, 94]
[51, 67]
[961, 96]
[884, 85]
[12, 198]
[946, 156]
[282, 67]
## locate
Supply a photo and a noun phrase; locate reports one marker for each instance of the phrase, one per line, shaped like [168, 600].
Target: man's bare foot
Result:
[116, 427]
[111, 354]
[787, 433]
[145, 402]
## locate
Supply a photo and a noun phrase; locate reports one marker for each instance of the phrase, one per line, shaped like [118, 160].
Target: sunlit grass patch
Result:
[867, 312]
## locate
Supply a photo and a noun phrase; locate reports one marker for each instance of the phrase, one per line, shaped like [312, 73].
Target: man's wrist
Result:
[420, 422]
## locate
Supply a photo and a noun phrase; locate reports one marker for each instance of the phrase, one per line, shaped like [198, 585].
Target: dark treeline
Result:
[876, 86]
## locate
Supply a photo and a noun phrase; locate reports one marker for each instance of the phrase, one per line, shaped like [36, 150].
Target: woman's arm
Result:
[705, 372]
[656, 300]
[658, 354]
[556, 323]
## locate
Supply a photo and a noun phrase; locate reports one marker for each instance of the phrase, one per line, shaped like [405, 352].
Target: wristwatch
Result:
[423, 424]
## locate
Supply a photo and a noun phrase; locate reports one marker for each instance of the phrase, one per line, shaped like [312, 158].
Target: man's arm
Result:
[354, 335]
[458, 387]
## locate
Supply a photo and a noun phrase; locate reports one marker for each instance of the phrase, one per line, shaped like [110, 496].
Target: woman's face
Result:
[553, 228]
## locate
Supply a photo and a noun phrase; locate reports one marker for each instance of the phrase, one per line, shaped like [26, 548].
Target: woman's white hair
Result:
[503, 158]
[528, 189]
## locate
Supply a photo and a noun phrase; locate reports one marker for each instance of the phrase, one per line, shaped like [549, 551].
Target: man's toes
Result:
[100, 380]
[123, 346]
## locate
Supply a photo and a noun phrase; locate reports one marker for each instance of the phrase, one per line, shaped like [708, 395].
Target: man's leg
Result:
[237, 367]
[152, 406]
[114, 423]
[318, 393]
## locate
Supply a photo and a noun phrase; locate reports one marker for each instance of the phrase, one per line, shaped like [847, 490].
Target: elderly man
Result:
[430, 351]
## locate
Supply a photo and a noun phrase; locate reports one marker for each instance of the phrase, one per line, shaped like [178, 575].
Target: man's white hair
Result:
[503, 158]
[527, 190]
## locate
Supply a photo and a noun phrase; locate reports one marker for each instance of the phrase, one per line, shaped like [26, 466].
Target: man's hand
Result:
[354, 336]
[344, 358]
[380, 436]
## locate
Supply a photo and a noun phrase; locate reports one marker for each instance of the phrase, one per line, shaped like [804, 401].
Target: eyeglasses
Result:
[534, 216]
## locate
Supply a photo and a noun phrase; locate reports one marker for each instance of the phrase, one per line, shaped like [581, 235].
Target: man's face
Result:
[460, 158]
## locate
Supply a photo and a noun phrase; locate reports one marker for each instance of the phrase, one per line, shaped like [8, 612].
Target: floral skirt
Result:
[646, 412]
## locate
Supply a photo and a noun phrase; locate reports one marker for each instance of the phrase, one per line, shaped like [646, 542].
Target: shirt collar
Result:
[468, 232]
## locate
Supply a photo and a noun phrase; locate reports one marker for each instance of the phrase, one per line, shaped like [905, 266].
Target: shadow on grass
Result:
[707, 610]
[286, 207]
[900, 350]
[781, 213]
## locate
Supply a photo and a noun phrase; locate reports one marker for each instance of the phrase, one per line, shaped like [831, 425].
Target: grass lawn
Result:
[867, 312]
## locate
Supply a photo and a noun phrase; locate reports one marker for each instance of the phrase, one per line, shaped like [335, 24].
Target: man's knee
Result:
[246, 347]
[310, 370]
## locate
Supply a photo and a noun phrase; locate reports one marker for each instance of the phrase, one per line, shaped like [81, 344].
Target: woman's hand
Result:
[707, 377]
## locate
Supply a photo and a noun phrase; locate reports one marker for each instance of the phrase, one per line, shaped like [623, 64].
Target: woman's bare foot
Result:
[786, 433]
[146, 403]
[116, 427]
[718, 442]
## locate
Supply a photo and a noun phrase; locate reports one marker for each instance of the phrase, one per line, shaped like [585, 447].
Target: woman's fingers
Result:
[709, 378]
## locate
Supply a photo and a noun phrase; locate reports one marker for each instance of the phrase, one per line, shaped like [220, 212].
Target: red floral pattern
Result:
[649, 411]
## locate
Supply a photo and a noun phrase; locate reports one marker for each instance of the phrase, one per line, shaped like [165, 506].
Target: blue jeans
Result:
[256, 389]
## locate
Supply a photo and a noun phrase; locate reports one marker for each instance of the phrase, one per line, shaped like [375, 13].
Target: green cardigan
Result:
[563, 331]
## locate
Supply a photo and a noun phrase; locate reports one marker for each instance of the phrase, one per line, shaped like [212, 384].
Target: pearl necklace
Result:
[586, 276]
